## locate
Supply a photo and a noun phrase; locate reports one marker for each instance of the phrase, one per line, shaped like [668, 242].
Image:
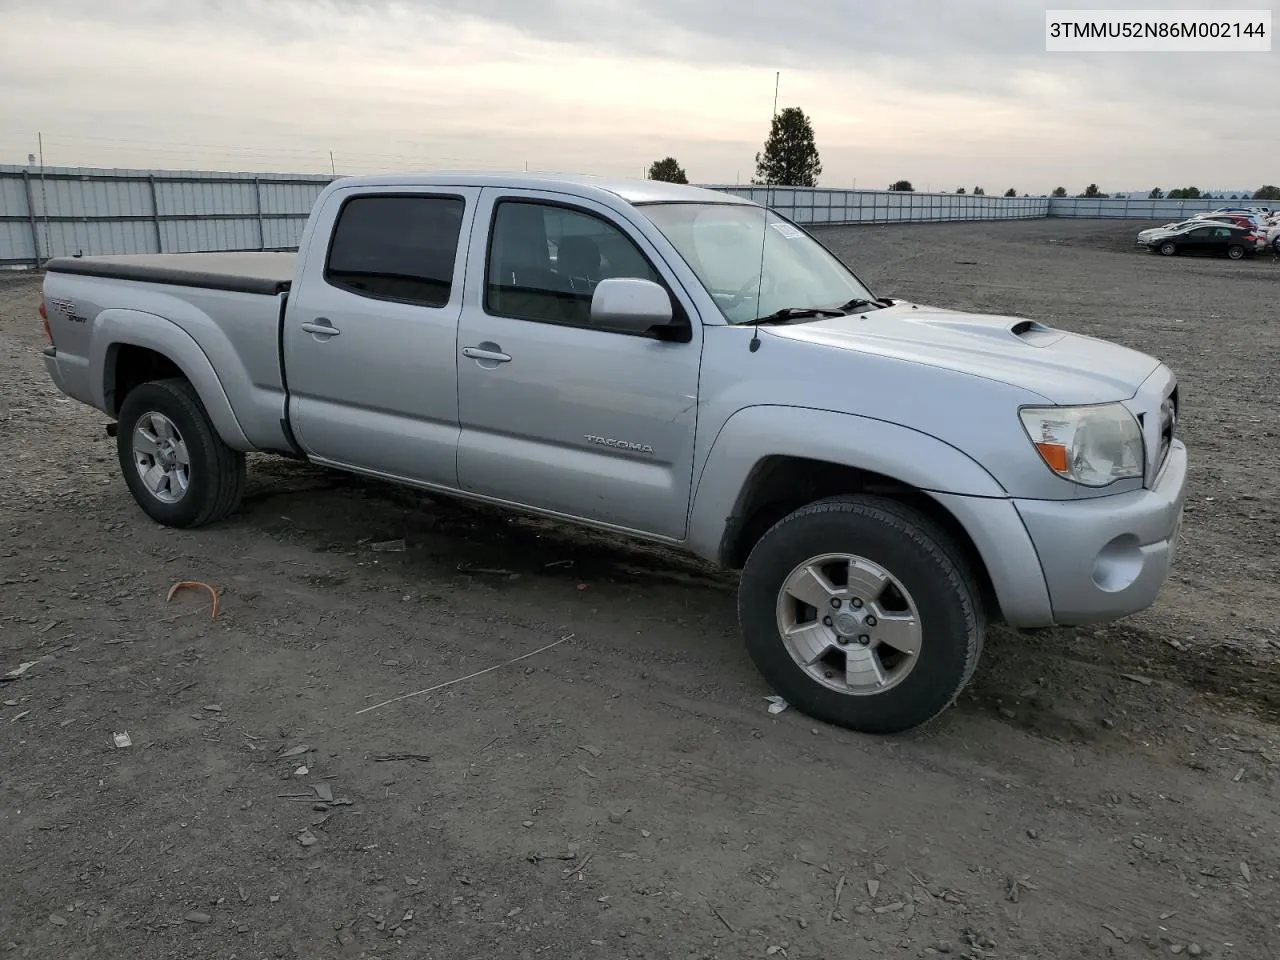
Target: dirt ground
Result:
[1097, 793]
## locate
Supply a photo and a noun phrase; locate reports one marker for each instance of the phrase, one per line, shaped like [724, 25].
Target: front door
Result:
[370, 338]
[556, 413]
[1197, 241]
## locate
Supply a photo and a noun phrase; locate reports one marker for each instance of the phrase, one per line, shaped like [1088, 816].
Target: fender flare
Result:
[757, 433]
[115, 328]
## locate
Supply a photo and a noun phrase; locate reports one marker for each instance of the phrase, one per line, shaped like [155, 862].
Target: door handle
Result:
[321, 328]
[479, 353]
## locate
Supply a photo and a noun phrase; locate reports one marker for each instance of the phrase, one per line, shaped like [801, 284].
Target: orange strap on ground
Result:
[194, 583]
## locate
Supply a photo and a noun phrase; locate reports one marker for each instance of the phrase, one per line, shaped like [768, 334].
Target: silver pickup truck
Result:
[670, 363]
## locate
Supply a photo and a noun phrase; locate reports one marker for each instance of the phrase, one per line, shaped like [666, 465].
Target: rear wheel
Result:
[1235, 251]
[174, 463]
[861, 612]
[1168, 249]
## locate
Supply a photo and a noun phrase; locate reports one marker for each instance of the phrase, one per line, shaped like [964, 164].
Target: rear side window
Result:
[397, 248]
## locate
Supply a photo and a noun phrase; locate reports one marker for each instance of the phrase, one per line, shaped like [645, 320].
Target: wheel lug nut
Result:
[864, 640]
[828, 674]
[857, 604]
[870, 621]
[835, 603]
[843, 641]
[826, 621]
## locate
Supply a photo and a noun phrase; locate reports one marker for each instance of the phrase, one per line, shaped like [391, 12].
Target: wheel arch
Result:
[761, 467]
[131, 347]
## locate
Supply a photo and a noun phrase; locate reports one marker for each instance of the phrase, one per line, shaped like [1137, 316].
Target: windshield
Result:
[722, 244]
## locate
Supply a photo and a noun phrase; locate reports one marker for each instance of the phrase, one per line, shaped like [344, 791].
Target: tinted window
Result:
[545, 262]
[397, 248]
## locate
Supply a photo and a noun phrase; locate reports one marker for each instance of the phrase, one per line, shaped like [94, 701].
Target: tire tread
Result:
[226, 467]
[927, 536]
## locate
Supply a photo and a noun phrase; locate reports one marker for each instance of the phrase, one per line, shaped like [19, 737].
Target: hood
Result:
[1064, 368]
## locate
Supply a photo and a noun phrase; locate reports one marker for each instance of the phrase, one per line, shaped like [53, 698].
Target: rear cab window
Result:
[401, 248]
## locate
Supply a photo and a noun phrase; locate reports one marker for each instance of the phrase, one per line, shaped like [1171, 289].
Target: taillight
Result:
[44, 322]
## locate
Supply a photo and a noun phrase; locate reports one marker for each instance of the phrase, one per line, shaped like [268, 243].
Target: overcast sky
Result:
[942, 93]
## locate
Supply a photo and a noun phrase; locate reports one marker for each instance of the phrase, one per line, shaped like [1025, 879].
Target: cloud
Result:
[942, 93]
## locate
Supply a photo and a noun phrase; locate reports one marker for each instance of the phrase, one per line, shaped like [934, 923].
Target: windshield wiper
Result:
[857, 302]
[787, 314]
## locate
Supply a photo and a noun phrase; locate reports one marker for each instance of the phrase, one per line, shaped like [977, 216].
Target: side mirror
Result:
[630, 304]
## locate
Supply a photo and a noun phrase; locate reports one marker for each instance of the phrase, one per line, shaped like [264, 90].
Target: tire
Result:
[1275, 245]
[1235, 251]
[1168, 249]
[923, 567]
[214, 473]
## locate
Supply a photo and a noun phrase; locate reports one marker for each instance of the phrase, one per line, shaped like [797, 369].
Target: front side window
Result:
[752, 269]
[545, 262]
[397, 248]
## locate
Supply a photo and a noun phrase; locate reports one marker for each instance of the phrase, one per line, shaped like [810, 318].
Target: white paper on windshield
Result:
[787, 230]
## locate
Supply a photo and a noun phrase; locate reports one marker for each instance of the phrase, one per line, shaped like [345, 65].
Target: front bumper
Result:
[1107, 557]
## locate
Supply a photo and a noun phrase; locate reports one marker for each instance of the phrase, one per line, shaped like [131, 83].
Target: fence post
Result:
[31, 216]
[155, 213]
[257, 205]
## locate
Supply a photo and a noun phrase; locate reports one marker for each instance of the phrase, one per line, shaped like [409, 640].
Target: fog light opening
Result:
[1118, 564]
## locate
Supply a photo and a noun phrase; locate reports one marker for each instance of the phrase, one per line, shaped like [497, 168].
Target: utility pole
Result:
[332, 168]
[44, 194]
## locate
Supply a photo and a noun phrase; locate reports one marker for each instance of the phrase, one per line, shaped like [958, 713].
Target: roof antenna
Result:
[764, 225]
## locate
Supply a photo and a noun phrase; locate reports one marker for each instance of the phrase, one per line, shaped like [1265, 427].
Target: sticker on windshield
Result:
[787, 230]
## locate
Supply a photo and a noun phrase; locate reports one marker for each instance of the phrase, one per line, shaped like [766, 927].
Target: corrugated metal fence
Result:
[60, 211]
[817, 205]
[1161, 211]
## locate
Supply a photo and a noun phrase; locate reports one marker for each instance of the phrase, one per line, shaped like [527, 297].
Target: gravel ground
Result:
[1107, 792]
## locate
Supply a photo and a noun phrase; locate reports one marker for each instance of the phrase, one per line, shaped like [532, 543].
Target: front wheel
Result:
[1235, 251]
[173, 461]
[861, 612]
[1168, 249]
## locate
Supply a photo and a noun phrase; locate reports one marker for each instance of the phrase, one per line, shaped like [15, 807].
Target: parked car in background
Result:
[1147, 234]
[1271, 239]
[1207, 239]
[1231, 216]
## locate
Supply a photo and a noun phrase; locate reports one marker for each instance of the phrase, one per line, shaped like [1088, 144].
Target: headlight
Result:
[1092, 446]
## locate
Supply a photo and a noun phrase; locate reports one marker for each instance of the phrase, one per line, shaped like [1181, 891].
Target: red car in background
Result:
[1239, 219]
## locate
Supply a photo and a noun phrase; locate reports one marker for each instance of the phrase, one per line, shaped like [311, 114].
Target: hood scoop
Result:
[1031, 332]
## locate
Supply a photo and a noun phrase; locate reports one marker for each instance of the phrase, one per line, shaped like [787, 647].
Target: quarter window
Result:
[545, 262]
[397, 248]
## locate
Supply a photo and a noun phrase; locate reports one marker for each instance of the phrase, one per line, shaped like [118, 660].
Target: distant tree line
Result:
[790, 158]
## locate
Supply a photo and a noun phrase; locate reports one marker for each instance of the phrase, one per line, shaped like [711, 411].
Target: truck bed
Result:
[252, 272]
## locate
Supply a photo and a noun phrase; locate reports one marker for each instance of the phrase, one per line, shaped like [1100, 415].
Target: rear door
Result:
[371, 332]
[556, 413]
[1222, 238]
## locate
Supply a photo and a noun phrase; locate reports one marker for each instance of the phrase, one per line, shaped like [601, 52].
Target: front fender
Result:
[115, 328]
[755, 433]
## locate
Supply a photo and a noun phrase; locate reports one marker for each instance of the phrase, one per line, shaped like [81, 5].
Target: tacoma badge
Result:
[619, 444]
